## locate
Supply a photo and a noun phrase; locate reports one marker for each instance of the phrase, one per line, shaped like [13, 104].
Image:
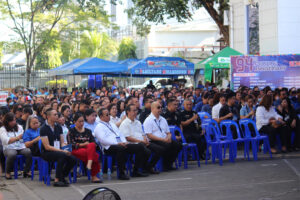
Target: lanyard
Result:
[158, 124]
[110, 128]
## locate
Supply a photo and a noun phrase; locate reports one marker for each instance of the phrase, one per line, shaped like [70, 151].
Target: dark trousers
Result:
[170, 153]
[2, 157]
[272, 132]
[64, 162]
[288, 129]
[120, 152]
[198, 139]
[157, 150]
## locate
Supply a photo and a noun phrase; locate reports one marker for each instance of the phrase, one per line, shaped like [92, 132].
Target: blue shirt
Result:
[198, 107]
[206, 108]
[30, 134]
[245, 110]
[90, 126]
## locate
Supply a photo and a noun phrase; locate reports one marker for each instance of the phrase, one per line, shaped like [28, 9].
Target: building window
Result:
[253, 29]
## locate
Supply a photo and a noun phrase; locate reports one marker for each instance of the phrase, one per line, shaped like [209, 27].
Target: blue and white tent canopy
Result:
[162, 66]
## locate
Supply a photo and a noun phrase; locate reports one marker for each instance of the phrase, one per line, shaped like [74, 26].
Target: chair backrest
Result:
[204, 115]
[40, 145]
[244, 124]
[228, 124]
[211, 134]
[173, 129]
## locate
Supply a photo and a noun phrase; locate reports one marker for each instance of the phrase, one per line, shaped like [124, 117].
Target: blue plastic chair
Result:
[244, 123]
[204, 115]
[214, 141]
[37, 160]
[19, 162]
[186, 146]
[228, 124]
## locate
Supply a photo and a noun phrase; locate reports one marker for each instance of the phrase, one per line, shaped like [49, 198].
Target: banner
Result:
[3, 97]
[262, 71]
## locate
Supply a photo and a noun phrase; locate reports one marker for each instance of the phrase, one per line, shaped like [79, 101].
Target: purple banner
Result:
[262, 71]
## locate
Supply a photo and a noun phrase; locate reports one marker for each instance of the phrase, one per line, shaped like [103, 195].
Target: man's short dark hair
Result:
[147, 98]
[170, 100]
[100, 112]
[27, 110]
[230, 95]
[128, 108]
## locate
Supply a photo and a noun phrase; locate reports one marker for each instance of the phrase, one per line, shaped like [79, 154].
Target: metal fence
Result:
[11, 77]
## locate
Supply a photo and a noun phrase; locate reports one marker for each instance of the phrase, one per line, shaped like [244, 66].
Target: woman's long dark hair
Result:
[290, 107]
[8, 118]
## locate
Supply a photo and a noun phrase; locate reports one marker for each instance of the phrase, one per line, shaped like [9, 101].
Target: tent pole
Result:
[56, 81]
[74, 80]
[95, 82]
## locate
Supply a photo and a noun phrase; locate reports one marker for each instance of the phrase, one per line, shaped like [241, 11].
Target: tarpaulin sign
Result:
[262, 71]
[3, 97]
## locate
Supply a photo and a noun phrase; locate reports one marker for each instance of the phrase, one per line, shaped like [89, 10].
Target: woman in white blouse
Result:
[11, 136]
[270, 123]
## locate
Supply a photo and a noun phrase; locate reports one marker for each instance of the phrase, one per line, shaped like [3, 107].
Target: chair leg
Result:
[197, 156]
[220, 154]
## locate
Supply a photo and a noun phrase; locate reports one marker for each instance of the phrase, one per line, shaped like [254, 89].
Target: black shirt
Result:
[21, 122]
[192, 127]
[173, 118]
[225, 110]
[46, 130]
[76, 138]
[144, 114]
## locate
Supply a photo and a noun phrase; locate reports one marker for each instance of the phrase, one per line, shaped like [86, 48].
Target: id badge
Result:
[118, 139]
[56, 144]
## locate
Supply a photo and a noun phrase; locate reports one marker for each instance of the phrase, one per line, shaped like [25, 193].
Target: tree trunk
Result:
[28, 70]
[217, 17]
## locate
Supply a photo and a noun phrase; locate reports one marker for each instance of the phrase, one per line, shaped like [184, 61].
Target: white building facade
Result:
[277, 30]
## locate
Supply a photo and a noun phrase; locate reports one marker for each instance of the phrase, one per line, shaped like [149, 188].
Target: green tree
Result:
[34, 20]
[94, 44]
[126, 49]
[158, 11]
[1, 54]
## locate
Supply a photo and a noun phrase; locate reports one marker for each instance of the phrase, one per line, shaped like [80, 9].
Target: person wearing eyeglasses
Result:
[52, 140]
[113, 142]
[157, 130]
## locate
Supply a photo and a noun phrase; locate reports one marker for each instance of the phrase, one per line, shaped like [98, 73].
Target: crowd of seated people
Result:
[119, 122]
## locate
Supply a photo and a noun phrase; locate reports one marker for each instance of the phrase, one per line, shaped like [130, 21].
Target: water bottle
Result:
[108, 174]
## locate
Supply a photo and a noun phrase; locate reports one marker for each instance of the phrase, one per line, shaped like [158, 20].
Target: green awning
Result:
[220, 60]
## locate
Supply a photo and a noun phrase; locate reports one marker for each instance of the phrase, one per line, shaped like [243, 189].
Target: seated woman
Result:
[84, 147]
[11, 134]
[113, 111]
[270, 123]
[31, 136]
[90, 116]
[248, 110]
[62, 122]
[289, 116]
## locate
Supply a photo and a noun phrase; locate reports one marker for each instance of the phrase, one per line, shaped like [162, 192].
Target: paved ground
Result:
[265, 179]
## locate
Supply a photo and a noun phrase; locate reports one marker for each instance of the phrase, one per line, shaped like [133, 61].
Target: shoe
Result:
[8, 177]
[172, 168]
[26, 175]
[283, 151]
[60, 184]
[123, 177]
[97, 181]
[139, 174]
[152, 171]
[65, 182]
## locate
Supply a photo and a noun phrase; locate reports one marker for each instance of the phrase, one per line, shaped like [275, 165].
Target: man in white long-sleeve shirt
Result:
[114, 143]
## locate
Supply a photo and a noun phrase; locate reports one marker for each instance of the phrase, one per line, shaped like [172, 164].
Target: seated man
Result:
[191, 129]
[208, 107]
[216, 108]
[114, 143]
[52, 138]
[146, 111]
[157, 130]
[133, 131]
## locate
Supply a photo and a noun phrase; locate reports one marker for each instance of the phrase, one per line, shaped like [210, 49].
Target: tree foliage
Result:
[126, 49]
[157, 11]
[94, 44]
[34, 21]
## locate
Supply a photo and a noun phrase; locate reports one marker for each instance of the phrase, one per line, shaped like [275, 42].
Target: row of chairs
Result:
[216, 139]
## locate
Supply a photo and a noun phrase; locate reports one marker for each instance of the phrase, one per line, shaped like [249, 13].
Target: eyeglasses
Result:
[159, 107]
[106, 115]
